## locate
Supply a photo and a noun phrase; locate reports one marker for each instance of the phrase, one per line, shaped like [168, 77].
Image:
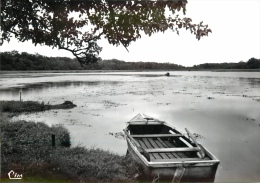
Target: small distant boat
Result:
[163, 152]
[167, 74]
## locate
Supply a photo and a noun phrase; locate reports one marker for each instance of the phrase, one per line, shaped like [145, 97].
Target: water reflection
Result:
[27, 89]
[253, 82]
[10, 94]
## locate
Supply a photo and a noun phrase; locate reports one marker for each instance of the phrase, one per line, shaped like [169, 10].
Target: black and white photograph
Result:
[142, 91]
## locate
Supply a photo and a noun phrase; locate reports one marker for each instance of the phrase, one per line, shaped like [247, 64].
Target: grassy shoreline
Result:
[26, 148]
[31, 106]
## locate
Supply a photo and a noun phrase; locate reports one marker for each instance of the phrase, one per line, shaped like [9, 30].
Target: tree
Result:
[76, 25]
[253, 63]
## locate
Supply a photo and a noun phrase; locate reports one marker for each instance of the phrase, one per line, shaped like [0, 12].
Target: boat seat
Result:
[181, 149]
[157, 135]
[177, 160]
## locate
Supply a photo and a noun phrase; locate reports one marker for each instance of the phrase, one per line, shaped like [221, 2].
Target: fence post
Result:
[53, 140]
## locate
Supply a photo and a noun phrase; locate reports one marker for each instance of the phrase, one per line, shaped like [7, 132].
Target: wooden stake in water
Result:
[20, 96]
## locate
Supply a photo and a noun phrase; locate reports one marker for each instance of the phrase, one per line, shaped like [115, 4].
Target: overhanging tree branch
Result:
[76, 25]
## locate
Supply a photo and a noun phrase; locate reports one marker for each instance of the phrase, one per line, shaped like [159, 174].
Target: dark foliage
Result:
[76, 25]
[252, 63]
[24, 61]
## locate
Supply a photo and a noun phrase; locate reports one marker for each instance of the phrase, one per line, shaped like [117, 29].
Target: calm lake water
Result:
[222, 107]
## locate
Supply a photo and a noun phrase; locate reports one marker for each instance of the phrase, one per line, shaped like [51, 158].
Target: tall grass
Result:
[91, 165]
[27, 147]
[27, 144]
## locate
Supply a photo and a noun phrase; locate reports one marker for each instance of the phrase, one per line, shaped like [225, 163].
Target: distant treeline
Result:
[252, 63]
[24, 61]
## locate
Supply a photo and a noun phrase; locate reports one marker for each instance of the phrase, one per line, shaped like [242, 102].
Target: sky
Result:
[235, 37]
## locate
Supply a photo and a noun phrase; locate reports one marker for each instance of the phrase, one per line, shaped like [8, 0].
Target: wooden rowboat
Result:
[166, 154]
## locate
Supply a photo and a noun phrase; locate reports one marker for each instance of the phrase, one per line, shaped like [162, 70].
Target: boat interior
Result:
[164, 144]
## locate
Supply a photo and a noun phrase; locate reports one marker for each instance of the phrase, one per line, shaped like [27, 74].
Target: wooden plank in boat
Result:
[165, 146]
[140, 141]
[178, 160]
[147, 143]
[157, 135]
[170, 155]
[180, 149]
[145, 147]
[163, 155]
[180, 154]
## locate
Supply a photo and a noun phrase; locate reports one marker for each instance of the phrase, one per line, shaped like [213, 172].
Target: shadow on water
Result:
[29, 88]
[253, 82]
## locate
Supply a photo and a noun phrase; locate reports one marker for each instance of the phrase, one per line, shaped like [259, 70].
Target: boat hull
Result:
[163, 152]
[192, 172]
